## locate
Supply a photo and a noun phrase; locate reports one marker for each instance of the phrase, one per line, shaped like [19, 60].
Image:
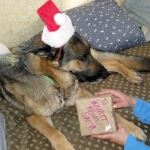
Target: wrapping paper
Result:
[96, 114]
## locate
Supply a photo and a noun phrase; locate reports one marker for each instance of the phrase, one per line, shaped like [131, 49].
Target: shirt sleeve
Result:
[133, 144]
[141, 110]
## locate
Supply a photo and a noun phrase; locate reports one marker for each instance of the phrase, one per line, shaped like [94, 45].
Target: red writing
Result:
[95, 113]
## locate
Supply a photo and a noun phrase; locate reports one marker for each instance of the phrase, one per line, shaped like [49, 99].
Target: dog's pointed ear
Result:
[41, 51]
[44, 51]
[83, 40]
[78, 38]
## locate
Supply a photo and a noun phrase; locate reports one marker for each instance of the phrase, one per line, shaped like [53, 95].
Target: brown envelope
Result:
[96, 114]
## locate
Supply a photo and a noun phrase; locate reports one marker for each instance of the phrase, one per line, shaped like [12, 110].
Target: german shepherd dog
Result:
[26, 74]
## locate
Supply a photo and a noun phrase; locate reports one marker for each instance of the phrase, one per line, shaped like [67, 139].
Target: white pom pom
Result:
[60, 18]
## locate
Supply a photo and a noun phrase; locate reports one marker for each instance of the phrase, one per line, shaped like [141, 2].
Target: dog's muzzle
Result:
[92, 77]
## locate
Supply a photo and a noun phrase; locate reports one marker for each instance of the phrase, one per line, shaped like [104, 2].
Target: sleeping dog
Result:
[38, 79]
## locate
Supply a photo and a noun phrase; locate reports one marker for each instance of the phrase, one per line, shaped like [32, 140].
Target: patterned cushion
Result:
[106, 26]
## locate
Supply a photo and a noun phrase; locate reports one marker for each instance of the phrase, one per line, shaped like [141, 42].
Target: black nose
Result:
[105, 74]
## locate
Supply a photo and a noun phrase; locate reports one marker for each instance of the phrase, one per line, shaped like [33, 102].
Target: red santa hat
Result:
[58, 26]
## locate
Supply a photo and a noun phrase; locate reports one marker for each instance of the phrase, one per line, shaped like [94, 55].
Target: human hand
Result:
[120, 99]
[118, 137]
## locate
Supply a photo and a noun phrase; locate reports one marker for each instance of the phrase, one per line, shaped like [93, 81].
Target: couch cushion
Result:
[106, 26]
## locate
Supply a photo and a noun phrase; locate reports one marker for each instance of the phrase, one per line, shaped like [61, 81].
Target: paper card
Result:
[96, 114]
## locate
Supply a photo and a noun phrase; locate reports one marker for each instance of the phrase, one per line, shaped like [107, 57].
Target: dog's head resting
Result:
[75, 57]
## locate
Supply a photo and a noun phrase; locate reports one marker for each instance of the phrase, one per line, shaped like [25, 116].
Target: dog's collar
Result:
[59, 54]
[50, 80]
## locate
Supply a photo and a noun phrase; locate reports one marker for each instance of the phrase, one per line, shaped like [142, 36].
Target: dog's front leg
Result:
[132, 128]
[116, 66]
[116, 63]
[44, 125]
[42, 66]
[76, 92]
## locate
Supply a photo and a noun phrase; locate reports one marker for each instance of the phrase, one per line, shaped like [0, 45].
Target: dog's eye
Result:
[83, 58]
[43, 53]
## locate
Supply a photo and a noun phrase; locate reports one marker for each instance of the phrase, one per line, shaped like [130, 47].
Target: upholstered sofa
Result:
[21, 136]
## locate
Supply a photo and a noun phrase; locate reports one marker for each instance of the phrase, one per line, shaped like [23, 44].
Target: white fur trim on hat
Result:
[62, 35]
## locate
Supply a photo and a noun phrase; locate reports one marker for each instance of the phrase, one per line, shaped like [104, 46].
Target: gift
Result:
[96, 114]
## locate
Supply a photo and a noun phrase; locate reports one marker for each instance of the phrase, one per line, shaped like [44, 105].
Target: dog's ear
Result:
[41, 51]
[78, 36]
[44, 51]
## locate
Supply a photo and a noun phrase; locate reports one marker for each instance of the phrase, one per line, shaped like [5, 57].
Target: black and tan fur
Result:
[22, 80]
[92, 65]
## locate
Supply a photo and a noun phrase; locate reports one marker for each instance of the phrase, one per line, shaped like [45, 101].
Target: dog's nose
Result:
[105, 73]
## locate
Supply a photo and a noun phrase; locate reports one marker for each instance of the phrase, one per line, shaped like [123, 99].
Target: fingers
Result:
[108, 135]
[120, 99]
[116, 95]
[109, 91]
[102, 136]
[104, 91]
[119, 137]
[120, 125]
[120, 104]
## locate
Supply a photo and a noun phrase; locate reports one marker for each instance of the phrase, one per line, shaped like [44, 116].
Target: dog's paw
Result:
[73, 94]
[136, 131]
[134, 77]
[132, 128]
[55, 63]
[139, 134]
[70, 103]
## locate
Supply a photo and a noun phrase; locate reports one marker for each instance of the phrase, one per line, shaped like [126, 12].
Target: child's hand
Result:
[119, 137]
[120, 99]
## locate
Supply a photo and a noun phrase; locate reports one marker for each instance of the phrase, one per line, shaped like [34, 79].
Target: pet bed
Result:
[21, 136]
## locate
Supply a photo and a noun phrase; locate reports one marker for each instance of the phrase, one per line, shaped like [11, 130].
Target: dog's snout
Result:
[105, 74]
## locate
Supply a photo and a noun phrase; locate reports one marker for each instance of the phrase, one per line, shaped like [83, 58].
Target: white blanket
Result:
[139, 11]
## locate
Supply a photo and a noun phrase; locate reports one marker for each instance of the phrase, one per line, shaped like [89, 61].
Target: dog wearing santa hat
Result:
[32, 80]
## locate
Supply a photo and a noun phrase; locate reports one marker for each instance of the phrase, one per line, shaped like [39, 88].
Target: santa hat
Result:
[58, 26]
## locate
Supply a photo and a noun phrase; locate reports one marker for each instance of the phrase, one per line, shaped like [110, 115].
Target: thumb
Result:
[103, 136]
[120, 125]
[119, 105]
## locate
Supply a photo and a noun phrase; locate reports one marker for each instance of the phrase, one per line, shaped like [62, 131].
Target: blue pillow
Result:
[106, 26]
